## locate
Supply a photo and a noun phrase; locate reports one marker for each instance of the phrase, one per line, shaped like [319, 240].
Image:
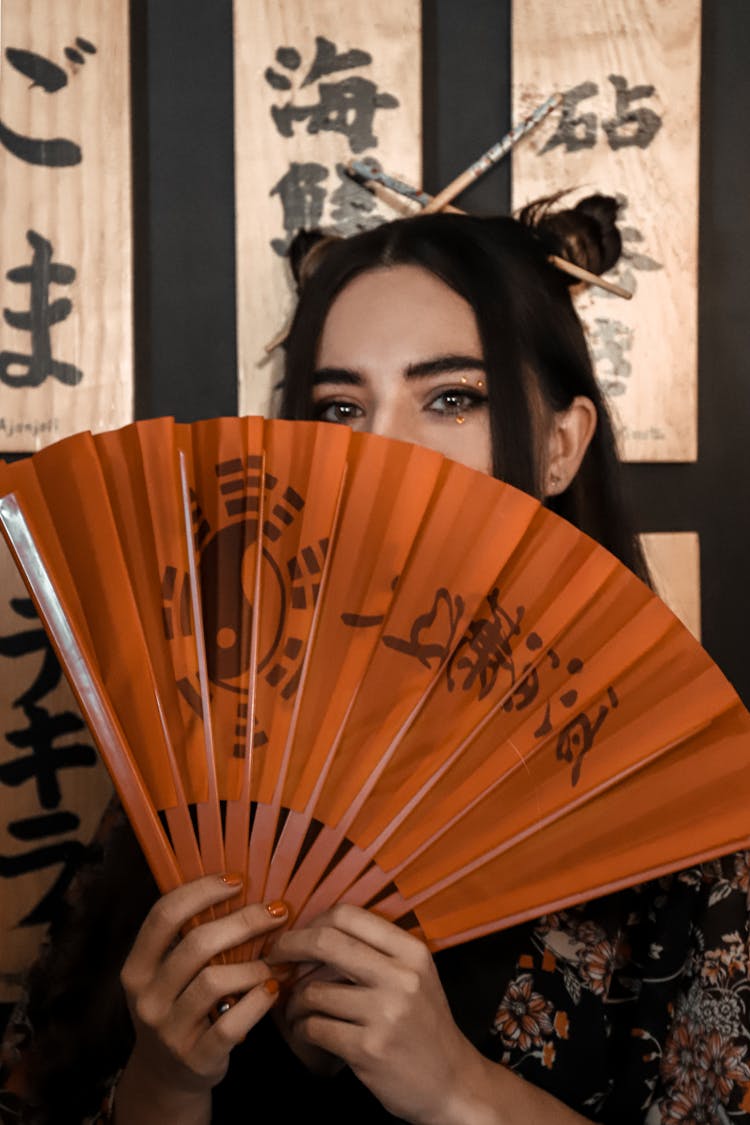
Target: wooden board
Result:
[53, 789]
[629, 126]
[317, 83]
[65, 227]
[674, 560]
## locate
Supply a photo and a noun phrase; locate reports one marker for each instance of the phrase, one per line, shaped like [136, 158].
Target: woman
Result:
[456, 333]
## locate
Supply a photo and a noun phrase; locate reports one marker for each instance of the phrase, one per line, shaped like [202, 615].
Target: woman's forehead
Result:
[398, 310]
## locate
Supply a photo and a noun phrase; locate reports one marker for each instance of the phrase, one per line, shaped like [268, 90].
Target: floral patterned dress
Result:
[631, 1009]
[659, 1008]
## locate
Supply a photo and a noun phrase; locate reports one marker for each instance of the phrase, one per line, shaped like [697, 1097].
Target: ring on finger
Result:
[221, 1007]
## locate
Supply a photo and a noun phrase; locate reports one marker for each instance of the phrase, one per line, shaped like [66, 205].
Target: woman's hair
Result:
[81, 1032]
[533, 345]
[533, 342]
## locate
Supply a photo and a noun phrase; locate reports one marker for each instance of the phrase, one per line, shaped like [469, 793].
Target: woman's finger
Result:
[375, 931]
[357, 943]
[207, 941]
[216, 983]
[172, 912]
[335, 999]
[233, 1025]
[350, 957]
[336, 1037]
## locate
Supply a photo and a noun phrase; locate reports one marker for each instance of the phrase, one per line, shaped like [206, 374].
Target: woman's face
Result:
[400, 356]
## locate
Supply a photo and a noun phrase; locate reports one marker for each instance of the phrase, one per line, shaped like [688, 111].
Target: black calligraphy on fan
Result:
[491, 647]
[486, 648]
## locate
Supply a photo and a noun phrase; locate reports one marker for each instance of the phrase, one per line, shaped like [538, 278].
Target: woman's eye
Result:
[457, 402]
[342, 412]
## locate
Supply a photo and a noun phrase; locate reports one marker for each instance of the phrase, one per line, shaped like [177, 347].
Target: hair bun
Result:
[586, 234]
[304, 253]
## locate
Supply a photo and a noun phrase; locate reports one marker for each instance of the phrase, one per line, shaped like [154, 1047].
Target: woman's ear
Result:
[569, 434]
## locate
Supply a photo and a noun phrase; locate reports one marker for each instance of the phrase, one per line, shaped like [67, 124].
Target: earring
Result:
[554, 480]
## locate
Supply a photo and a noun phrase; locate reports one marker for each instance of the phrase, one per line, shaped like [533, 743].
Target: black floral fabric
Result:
[630, 1009]
[645, 1017]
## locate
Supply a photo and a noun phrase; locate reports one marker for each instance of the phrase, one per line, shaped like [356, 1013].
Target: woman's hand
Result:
[385, 1015]
[316, 1059]
[184, 1031]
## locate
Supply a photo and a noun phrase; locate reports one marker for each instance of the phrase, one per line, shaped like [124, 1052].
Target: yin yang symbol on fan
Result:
[354, 670]
[226, 557]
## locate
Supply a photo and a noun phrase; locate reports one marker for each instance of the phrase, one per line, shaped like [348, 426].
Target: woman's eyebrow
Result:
[444, 365]
[337, 375]
[440, 365]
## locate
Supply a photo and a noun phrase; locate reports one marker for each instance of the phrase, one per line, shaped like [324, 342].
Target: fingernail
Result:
[271, 986]
[277, 909]
[282, 971]
[232, 879]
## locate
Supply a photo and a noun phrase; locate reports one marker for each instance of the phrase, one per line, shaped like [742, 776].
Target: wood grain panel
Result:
[53, 789]
[65, 225]
[629, 126]
[674, 560]
[317, 84]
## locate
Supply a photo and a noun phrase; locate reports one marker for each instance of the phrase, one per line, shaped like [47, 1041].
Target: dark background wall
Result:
[185, 295]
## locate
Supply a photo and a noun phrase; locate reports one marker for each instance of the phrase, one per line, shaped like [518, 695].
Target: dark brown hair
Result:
[527, 324]
[81, 1032]
[532, 338]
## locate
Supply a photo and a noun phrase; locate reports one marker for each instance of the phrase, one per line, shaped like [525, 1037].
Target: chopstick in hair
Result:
[367, 174]
[370, 175]
[492, 155]
[586, 275]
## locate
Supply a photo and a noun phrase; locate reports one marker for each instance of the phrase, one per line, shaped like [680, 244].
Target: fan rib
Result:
[278, 853]
[450, 701]
[93, 701]
[209, 821]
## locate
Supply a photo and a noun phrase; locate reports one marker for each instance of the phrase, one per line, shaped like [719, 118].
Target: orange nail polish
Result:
[232, 879]
[277, 909]
[271, 986]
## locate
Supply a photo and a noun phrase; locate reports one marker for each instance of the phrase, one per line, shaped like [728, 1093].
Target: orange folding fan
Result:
[354, 670]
